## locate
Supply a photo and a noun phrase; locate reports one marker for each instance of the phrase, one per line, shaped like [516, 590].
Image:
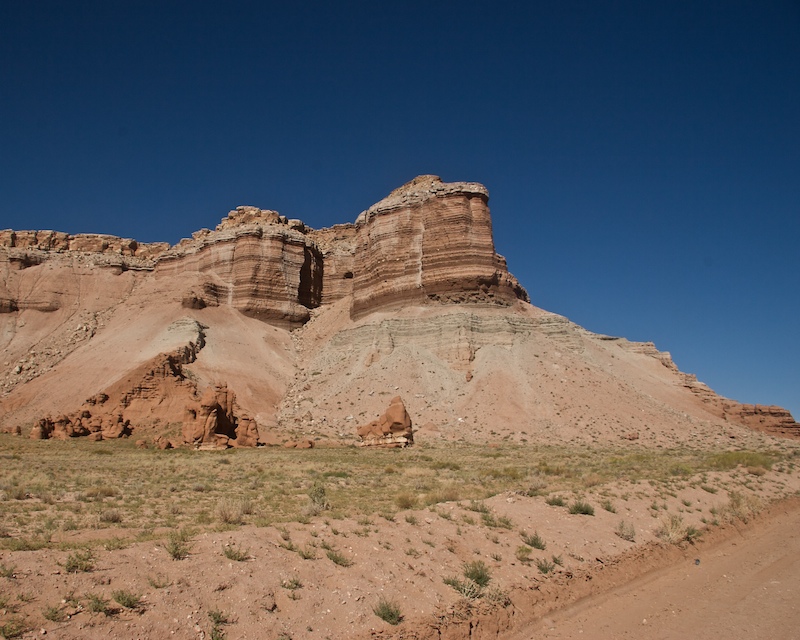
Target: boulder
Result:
[304, 443]
[246, 433]
[210, 417]
[391, 430]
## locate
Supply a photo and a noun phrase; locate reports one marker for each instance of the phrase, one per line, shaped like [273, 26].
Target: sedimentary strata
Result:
[265, 330]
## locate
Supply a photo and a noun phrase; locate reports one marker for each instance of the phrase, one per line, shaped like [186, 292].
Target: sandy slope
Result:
[744, 587]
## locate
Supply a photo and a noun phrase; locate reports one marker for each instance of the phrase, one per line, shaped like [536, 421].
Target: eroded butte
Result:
[267, 331]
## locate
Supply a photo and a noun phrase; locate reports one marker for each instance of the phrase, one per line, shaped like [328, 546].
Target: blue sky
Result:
[643, 158]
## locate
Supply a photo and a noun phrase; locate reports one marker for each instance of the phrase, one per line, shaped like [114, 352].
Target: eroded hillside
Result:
[264, 330]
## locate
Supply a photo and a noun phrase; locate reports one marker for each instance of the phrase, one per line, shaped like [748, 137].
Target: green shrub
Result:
[319, 500]
[158, 581]
[126, 599]
[681, 469]
[466, 588]
[673, 531]
[555, 501]
[217, 633]
[477, 506]
[97, 604]
[111, 516]
[53, 614]
[579, 507]
[34, 543]
[13, 628]
[292, 584]
[524, 553]
[229, 512]
[235, 552]
[80, 561]
[338, 558]
[534, 541]
[177, 544]
[501, 522]
[307, 553]
[388, 611]
[453, 466]
[218, 617]
[406, 500]
[545, 566]
[731, 459]
[625, 530]
[478, 572]
[740, 507]
[536, 487]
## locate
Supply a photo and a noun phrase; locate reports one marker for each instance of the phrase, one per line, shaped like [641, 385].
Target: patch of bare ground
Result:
[739, 581]
[430, 542]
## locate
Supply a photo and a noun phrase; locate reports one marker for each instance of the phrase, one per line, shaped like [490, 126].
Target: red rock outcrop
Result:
[151, 399]
[211, 419]
[305, 443]
[78, 311]
[82, 242]
[766, 418]
[255, 261]
[391, 430]
[429, 241]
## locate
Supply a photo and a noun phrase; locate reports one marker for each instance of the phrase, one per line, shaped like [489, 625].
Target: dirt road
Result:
[745, 587]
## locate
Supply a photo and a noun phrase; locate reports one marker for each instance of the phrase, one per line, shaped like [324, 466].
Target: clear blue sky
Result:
[643, 158]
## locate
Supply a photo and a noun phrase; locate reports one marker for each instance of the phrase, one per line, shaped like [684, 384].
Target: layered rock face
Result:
[767, 418]
[255, 261]
[429, 241]
[337, 246]
[264, 330]
[426, 242]
[82, 242]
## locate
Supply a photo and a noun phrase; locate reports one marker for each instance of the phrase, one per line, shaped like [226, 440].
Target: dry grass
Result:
[49, 487]
[672, 530]
[740, 507]
[626, 530]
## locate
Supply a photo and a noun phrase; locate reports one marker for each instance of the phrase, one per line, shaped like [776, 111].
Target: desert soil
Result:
[321, 578]
[742, 587]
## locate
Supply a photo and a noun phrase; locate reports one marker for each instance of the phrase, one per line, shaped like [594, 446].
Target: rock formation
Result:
[210, 420]
[391, 430]
[255, 261]
[310, 326]
[429, 241]
[154, 398]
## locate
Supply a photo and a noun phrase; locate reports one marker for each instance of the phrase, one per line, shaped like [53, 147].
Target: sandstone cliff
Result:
[429, 241]
[256, 262]
[273, 331]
